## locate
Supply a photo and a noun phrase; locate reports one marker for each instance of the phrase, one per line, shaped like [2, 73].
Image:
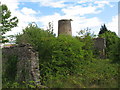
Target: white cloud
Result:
[79, 10]
[81, 2]
[50, 18]
[24, 19]
[28, 11]
[61, 3]
[91, 22]
[101, 4]
[58, 4]
[11, 4]
[80, 23]
[113, 25]
[51, 3]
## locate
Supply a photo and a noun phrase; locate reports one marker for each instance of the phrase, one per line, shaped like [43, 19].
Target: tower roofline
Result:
[66, 20]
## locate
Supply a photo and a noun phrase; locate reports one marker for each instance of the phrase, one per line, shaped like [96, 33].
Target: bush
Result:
[96, 73]
[33, 35]
[115, 52]
[66, 53]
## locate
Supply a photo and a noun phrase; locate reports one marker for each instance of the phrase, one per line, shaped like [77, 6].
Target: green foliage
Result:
[29, 85]
[115, 51]
[33, 35]
[103, 29]
[10, 69]
[4, 39]
[50, 28]
[92, 74]
[66, 52]
[87, 38]
[7, 21]
[86, 32]
[112, 45]
[111, 40]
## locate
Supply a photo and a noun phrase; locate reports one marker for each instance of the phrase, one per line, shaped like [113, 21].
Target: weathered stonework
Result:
[64, 27]
[100, 44]
[27, 65]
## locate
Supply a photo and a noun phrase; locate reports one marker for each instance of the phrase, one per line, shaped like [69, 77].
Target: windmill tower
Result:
[64, 27]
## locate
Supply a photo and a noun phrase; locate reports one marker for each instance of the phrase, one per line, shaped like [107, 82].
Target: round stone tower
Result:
[64, 27]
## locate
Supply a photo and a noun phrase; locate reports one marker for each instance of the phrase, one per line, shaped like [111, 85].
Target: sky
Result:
[84, 13]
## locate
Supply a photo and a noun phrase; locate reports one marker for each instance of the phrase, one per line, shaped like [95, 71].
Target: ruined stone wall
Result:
[100, 45]
[27, 64]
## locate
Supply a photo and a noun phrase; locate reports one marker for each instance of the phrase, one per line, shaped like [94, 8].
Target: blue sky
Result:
[91, 14]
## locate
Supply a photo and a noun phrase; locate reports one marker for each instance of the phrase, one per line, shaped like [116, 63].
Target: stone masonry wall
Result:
[27, 65]
[100, 44]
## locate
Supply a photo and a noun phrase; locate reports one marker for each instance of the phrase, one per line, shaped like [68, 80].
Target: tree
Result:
[87, 38]
[33, 34]
[115, 51]
[50, 28]
[103, 29]
[7, 22]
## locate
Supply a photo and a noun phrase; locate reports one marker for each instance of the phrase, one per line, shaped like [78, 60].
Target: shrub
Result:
[96, 73]
[66, 53]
